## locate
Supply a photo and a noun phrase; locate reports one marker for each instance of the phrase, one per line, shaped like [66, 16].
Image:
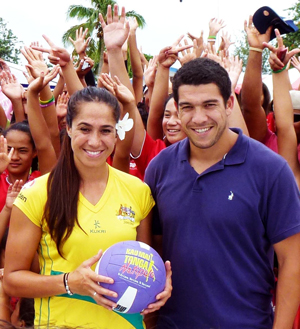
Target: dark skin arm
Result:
[254, 114]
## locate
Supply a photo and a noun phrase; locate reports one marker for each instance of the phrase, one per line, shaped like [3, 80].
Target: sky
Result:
[165, 20]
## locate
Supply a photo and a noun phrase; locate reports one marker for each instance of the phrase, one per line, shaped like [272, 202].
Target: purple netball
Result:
[139, 275]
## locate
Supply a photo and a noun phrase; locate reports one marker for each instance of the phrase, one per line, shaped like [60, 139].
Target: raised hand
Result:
[81, 42]
[115, 29]
[280, 56]
[45, 77]
[36, 63]
[133, 24]
[215, 26]
[115, 86]
[61, 109]
[187, 55]
[150, 72]
[57, 55]
[234, 67]
[5, 156]
[226, 42]
[12, 193]
[211, 53]
[28, 75]
[200, 43]
[10, 86]
[255, 39]
[168, 55]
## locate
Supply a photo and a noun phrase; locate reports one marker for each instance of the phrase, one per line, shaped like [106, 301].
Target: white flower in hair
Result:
[124, 125]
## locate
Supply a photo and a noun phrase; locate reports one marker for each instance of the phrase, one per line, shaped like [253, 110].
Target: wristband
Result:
[47, 102]
[46, 105]
[212, 37]
[278, 71]
[256, 49]
[65, 279]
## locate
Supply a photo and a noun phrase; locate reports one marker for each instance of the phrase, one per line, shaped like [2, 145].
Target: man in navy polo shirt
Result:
[224, 203]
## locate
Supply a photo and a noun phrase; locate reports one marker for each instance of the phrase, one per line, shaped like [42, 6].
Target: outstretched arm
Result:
[149, 76]
[125, 129]
[254, 114]
[37, 123]
[234, 67]
[135, 60]
[115, 34]
[12, 193]
[287, 291]
[36, 65]
[283, 108]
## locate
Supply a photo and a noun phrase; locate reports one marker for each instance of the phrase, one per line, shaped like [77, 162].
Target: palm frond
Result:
[139, 18]
[79, 12]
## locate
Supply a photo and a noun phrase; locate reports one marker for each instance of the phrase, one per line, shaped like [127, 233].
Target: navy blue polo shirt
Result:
[218, 229]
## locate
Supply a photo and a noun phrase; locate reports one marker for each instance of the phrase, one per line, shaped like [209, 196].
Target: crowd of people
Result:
[211, 184]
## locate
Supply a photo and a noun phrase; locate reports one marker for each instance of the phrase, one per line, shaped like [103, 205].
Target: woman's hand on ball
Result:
[164, 295]
[84, 281]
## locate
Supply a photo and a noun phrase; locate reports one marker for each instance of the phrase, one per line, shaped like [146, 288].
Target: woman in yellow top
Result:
[72, 213]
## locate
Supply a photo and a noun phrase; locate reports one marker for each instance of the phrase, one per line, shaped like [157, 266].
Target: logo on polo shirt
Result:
[126, 213]
[230, 196]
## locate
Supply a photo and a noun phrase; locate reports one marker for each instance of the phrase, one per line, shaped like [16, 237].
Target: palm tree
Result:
[90, 16]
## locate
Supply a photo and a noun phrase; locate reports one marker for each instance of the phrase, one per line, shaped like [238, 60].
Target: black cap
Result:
[265, 17]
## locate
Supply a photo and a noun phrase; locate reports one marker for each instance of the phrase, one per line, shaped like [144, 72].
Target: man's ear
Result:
[229, 105]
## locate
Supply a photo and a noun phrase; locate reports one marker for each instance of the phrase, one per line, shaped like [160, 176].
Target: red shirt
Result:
[149, 150]
[4, 185]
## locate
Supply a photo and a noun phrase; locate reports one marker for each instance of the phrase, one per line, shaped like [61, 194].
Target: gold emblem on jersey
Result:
[126, 213]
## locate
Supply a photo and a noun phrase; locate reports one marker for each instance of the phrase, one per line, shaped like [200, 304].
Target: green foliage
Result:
[90, 18]
[242, 50]
[292, 40]
[8, 41]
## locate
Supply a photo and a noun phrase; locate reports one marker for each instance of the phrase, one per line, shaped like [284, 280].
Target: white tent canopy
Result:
[18, 71]
[294, 75]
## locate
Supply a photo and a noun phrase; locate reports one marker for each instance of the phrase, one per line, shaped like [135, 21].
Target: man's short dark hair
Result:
[202, 71]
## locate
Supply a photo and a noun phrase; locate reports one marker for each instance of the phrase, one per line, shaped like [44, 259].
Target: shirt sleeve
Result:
[283, 207]
[32, 198]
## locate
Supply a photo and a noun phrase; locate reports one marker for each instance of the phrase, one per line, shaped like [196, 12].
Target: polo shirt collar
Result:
[236, 155]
